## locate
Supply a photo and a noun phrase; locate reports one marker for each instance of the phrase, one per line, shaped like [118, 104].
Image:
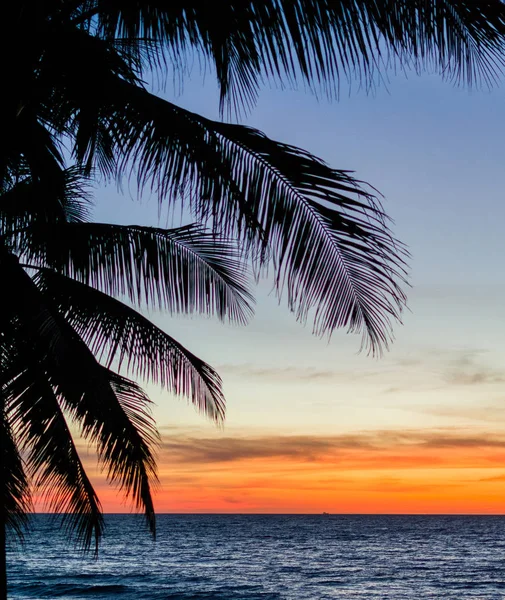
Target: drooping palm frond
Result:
[134, 419]
[97, 399]
[331, 245]
[27, 143]
[74, 61]
[113, 414]
[317, 41]
[182, 270]
[116, 333]
[15, 487]
[51, 456]
[61, 374]
[275, 197]
[29, 204]
[329, 239]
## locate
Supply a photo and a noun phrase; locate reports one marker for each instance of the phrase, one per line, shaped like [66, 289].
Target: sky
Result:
[314, 426]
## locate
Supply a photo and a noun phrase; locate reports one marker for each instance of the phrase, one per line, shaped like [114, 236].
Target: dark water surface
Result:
[252, 557]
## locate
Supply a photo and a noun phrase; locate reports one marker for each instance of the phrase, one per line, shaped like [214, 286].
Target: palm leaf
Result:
[112, 412]
[318, 42]
[329, 239]
[180, 270]
[29, 202]
[43, 435]
[100, 401]
[72, 62]
[28, 144]
[331, 246]
[117, 334]
[16, 500]
[283, 197]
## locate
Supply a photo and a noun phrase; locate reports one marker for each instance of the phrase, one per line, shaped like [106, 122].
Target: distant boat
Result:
[325, 513]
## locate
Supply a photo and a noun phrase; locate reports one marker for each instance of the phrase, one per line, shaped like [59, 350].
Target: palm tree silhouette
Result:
[76, 106]
[63, 328]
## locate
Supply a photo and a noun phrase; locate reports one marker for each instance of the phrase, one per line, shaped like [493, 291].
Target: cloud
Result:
[466, 370]
[430, 369]
[485, 413]
[475, 376]
[396, 485]
[199, 450]
[437, 470]
[464, 367]
[227, 449]
[438, 370]
[308, 374]
[495, 478]
[477, 441]
[232, 500]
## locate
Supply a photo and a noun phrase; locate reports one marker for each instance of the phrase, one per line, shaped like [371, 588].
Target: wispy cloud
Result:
[428, 369]
[486, 413]
[468, 368]
[228, 449]
[197, 450]
[445, 369]
[307, 374]
[494, 479]
[443, 470]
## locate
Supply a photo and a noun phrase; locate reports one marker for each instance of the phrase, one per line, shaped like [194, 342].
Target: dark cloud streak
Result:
[198, 450]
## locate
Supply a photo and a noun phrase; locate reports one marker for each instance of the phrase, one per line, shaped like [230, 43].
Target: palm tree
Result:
[75, 71]
[77, 74]
[64, 328]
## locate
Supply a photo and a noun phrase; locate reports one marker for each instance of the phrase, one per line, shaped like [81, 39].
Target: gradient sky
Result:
[317, 427]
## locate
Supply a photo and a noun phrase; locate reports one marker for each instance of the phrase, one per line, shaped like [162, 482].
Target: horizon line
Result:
[291, 514]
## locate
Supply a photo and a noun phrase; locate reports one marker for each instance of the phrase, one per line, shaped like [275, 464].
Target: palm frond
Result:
[16, 498]
[29, 202]
[332, 249]
[113, 413]
[319, 42]
[329, 239]
[71, 63]
[27, 144]
[115, 333]
[88, 391]
[182, 270]
[51, 456]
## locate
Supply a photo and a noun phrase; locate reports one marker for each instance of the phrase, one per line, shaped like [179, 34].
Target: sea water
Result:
[268, 557]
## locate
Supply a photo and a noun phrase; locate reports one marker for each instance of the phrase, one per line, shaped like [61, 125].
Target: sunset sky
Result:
[313, 426]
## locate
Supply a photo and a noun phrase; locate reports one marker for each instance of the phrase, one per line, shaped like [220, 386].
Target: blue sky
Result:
[436, 153]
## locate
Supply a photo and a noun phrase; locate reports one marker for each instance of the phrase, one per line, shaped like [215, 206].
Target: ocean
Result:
[268, 557]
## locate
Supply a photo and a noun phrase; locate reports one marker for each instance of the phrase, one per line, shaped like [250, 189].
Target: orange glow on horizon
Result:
[395, 479]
